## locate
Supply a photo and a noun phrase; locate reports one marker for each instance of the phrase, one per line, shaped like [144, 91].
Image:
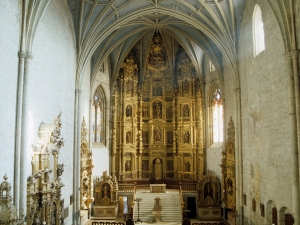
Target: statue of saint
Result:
[157, 110]
[186, 111]
[186, 137]
[128, 111]
[187, 166]
[157, 134]
[128, 137]
[127, 166]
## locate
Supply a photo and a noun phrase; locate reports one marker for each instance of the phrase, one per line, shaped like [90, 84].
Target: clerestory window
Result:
[98, 113]
[217, 115]
[258, 31]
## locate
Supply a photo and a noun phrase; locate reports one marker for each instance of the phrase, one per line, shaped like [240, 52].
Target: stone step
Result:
[170, 206]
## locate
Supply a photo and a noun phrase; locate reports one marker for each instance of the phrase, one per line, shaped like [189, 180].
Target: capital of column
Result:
[292, 54]
[25, 55]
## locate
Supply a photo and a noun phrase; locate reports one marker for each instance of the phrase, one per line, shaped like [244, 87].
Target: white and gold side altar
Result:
[105, 194]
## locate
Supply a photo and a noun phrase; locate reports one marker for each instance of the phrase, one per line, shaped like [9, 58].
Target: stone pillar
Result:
[291, 68]
[23, 144]
[238, 157]
[76, 171]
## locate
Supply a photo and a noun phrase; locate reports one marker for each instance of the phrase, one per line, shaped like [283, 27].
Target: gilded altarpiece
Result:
[86, 167]
[228, 171]
[105, 193]
[158, 117]
[44, 204]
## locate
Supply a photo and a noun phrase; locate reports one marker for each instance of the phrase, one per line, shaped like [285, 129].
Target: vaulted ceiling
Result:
[110, 28]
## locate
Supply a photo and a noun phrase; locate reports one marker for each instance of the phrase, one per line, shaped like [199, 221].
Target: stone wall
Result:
[213, 150]
[9, 45]
[101, 154]
[51, 84]
[264, 107]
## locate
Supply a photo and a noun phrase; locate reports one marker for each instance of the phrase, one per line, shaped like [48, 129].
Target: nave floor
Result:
[89, 222]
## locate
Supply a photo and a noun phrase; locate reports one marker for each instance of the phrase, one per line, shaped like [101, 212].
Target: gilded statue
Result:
[186, 111]
[157, 57]
[129, 67]
[129, 111]
[157, 134]
[157, 110]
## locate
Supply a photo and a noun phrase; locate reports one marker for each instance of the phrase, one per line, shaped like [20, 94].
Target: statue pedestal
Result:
[105, 212]
[157, 216]
[157, 188]
[209, 213]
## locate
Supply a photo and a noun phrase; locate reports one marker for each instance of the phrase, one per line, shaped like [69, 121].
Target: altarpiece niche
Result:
[44, 205]
[158, 115]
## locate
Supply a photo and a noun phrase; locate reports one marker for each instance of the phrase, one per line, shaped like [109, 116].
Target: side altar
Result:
[209, 198]
[105, 193]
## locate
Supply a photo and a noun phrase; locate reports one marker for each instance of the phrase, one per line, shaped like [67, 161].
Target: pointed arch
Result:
[258, 31]
[98, 115]
[215, 115]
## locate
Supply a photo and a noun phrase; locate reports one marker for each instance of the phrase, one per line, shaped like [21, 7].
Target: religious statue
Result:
[127, 165]
[157, 109]
[186, 111]
[157, 134]
[60, 169]
[187, 166]
[128, 111]
[186, 137]
[129, 67]
[157, 55]
[229, 187]
[128, 137]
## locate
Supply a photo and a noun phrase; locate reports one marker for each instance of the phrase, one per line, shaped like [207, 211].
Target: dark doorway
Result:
[289, 220]
[274, 216]
[191, 206]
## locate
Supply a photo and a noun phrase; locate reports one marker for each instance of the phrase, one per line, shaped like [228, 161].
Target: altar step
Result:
[170, 206]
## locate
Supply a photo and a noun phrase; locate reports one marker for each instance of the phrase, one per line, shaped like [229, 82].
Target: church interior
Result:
[149, 111]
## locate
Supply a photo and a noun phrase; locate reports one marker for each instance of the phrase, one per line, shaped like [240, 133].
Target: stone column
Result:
[76, 160]
[292, 71]
[238, 157]
[22, 145]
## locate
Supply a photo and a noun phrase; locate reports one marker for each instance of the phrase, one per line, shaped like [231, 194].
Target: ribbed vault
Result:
[109, 29]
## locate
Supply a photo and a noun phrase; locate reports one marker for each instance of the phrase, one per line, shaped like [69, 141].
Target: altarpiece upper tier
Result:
[158, 116]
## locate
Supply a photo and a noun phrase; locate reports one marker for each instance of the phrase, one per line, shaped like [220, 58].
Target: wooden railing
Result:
[182, 203]
[107, 223]
[185, 187]
[190, 187]
[127, 187]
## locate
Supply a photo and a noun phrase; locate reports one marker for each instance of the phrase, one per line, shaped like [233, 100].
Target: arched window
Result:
[258, 31]
[98, 115]
[217, 116]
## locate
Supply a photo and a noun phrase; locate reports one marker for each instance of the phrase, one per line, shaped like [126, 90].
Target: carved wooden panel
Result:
[170, 165]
